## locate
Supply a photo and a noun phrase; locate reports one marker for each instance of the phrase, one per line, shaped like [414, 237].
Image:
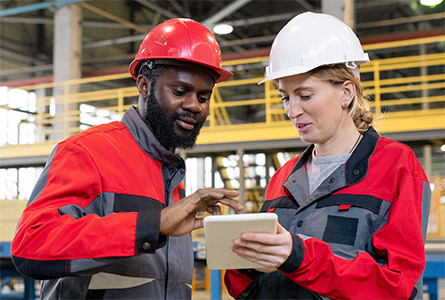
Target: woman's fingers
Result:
[265, 259]
[269, 250]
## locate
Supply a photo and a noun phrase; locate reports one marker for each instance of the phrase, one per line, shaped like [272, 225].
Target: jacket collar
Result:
[146, 140]
[357, 164]
[354, 171]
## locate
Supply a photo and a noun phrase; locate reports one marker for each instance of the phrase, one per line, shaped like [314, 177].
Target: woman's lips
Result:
[186, 123]
[302, 127]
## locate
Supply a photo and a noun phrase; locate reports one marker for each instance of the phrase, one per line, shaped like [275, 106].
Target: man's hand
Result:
[268, 250]
[180, 218]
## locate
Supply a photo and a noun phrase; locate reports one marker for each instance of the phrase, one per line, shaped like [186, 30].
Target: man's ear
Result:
[349, 92]
[143, 84]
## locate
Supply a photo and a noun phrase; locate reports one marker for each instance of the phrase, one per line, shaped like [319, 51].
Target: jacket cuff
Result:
[296, 256]
[148, 238]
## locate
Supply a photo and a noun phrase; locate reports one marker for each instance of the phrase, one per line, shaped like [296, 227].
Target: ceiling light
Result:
[430, 3]
[222, 29]
[442, 148]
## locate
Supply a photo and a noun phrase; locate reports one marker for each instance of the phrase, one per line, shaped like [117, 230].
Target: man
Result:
[106, 218]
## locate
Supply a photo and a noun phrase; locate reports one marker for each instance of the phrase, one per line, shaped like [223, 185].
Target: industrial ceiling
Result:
[113, 29]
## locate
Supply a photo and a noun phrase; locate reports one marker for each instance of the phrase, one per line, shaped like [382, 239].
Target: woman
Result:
[353, 207]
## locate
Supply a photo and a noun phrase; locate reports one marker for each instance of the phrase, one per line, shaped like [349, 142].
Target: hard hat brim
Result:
[223, 73]
[303, 69]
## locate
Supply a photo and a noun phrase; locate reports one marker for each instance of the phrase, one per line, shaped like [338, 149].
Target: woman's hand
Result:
[268, 250]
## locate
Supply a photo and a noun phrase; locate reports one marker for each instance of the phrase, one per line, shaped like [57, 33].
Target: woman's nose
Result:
[293, 108]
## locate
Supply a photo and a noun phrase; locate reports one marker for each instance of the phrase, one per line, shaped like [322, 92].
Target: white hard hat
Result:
[311, 40]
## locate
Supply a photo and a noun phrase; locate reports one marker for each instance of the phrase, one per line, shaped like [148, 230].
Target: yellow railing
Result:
[240, 107]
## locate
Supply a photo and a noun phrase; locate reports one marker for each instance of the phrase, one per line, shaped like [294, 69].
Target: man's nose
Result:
[192, 104]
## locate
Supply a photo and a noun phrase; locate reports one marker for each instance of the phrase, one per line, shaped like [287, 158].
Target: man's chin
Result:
[185, 140]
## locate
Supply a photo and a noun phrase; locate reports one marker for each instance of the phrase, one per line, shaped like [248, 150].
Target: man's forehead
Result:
[187, 76]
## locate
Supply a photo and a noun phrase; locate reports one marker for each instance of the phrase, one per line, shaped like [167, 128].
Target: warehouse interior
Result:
[64, 68]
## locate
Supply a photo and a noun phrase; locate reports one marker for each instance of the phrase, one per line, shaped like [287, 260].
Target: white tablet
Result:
[220, 231]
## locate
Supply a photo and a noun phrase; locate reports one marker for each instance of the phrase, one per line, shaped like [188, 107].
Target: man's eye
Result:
[178, 92]
[204, 99]
[305, 97]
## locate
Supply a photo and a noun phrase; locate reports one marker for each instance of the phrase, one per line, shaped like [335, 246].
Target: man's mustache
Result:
[187, 114]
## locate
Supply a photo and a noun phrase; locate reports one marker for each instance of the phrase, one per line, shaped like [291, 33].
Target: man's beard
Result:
[163, 122]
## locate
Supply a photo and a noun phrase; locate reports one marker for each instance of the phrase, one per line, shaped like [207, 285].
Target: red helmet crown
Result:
[184, 40]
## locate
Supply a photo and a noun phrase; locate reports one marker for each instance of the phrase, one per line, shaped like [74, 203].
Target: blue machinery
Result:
[434, 270]
[8, 271]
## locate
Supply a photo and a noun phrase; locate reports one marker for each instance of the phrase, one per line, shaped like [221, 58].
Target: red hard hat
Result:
[184, 40]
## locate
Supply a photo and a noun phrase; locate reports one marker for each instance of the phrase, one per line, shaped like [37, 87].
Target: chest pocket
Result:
[341, 230]
[350, 218]
[134, 203]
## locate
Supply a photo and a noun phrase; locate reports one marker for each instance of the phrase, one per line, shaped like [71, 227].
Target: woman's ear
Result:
[143, 84]
[349, 92]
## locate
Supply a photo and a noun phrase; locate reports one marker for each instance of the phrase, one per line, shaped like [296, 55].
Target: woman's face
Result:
[315, 107]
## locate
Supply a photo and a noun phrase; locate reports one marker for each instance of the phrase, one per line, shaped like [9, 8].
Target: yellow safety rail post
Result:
[377, 104]
[220, 112]
[41, 103]
[267, 92]
[120, 102]
[223, 286]
[211, 117]
[194, 281]
[207, 280]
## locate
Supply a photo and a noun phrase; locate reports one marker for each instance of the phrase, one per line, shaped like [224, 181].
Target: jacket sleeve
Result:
[49, 240]
[241, 284]
[398, 244]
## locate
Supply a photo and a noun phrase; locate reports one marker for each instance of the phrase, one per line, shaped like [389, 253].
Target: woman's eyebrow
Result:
[298, 89]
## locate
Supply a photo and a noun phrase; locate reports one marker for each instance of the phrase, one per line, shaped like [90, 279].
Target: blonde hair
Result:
[359, 107]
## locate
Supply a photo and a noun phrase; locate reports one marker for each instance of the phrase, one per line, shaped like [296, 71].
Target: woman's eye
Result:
[285, 99]
[305, 97]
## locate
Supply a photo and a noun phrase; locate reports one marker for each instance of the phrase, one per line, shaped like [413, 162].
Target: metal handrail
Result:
[396, 92]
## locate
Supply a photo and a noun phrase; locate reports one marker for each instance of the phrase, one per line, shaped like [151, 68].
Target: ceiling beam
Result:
[157, 8]
[22, 58]
[34, 7]
[27, 20]
[398, 21]
[235, 5]
[306, 5]
[48, 21]
[261, 20]
[110, 42]
[113, 17]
